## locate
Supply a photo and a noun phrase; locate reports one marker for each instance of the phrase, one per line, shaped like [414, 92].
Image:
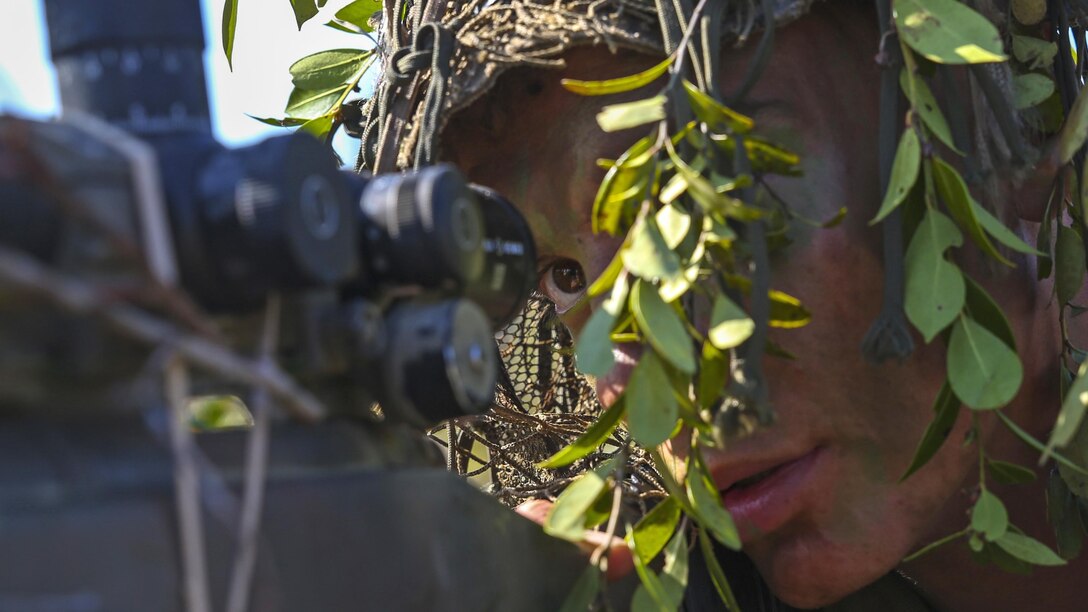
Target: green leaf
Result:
[1066, 466]
[327, 69]
[989, 516]
[707, 196]
[975, 543]
[983, 371]
[649, 255]
[651, 594]
[1072, 413]
[835, 219]
[1063, 514]
[985, 311]
[318, 127]
[285, 122]
[307, 104]
[715, 114]
[675, 575]
[584, 592]
[1075, 129]
[709, 511]
[230, 23]
[654, 530]
[717, 575]
[787, 312]
[717, 231]
[358, 13]
[1069, 266]
[947, 31]
[991, 553]
[1033, 52]
[607, 279]
[768, 157]
[616, 117]
[566, 519]
[1042, 238]
[651, 407]
[620, 85]
[730, 326]
[1031, 89]
[674, 223]
[908, 158]
[1028, 549]
[946, 409]
[304, 11]
[671, 289]
[599, 512]
[1009, 473]
[713, 372]
[935, 288]
[662, 327]
[1000, 232]
[922, 100]
[593, 351]
[608, 208]
[590, 440]
[954, 193]
[218, 412]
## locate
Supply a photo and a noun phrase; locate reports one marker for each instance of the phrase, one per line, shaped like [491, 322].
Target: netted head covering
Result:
[439, 57]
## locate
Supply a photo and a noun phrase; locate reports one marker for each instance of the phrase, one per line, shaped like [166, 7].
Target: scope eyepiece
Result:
[423, 228]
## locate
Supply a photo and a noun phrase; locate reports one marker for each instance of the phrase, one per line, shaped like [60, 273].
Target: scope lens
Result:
[509, 270]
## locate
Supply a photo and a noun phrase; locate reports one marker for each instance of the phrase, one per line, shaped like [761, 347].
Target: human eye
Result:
[563, 281]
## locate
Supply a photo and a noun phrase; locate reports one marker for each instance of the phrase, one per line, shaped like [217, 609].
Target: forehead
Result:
[538, 143]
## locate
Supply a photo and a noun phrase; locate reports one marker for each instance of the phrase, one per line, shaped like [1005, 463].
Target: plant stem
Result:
[933, 545]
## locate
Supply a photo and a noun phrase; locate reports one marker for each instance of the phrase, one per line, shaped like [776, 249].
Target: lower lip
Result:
[768, 504]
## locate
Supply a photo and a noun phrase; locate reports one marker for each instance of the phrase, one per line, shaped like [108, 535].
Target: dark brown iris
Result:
[568, 276]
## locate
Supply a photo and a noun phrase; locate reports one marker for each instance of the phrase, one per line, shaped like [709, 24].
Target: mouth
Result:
[762, 497]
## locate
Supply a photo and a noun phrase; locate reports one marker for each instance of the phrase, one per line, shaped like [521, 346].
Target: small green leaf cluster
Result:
[324, 80]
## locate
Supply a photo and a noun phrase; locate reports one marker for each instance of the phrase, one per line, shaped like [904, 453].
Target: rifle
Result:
[143, 264]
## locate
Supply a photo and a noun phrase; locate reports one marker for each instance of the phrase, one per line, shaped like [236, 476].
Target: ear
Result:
[1031, 193]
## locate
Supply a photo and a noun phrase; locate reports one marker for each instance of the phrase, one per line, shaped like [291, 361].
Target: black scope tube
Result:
[135, 63]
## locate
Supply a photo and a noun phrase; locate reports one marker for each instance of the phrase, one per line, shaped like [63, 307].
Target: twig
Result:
[186, 489]
[241, 579]
[613, 517]
[79, 297]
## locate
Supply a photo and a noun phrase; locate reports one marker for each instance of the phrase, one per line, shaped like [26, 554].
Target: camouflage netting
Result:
[438, 58]
[541, 405]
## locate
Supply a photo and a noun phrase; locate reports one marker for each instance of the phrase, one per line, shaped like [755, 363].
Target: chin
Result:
[809, 572]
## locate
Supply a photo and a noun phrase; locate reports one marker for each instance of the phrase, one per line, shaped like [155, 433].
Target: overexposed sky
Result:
[266, 43]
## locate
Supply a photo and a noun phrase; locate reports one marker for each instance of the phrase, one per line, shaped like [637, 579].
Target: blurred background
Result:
[267, 42]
